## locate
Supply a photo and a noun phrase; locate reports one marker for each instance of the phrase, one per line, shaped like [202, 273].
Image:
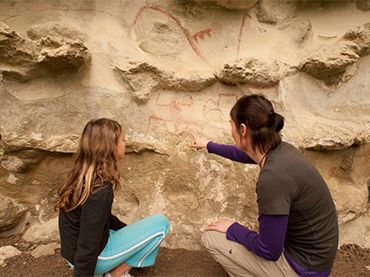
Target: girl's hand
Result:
[221, 225]
[199, 142]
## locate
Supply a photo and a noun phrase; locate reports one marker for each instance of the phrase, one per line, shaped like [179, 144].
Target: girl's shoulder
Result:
[102, 187]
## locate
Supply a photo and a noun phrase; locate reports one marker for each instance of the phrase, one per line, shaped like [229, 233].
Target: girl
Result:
[92, 239]
[298, 228]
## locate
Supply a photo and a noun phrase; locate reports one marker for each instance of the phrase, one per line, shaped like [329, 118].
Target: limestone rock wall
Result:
[165, 69]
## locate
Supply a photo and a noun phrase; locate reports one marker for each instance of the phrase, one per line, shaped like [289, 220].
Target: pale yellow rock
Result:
[45, 250]
[330, 64]
[61, 29]
[165, 69]
[234, 4]
[7, 252]
[275, 11]
[11, 212]
[254, 72]
[42, 232]
[23, 59]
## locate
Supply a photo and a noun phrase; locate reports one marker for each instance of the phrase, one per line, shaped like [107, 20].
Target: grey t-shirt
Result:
[290, 185]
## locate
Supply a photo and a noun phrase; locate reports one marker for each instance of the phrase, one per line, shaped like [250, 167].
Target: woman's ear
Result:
[243, 129]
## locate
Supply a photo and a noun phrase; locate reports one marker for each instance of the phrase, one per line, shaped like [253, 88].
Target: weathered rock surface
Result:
[139, 142]
[356, 231]
[11, 213]
[7, 252]
[169, 80]
[324, 122]
[61, 29]
[361, 36]
[275, 11]
[162, 38]
[20, 161]
[233, 4]
[363, 5]
[45, 250]
[23, 59]
[12, 163]
[143, 78]
[12, 179]
[350, 197]
[330, 64]
[205, 190]
[301, 30]
[14, 50]
[254, 72]
[42, 232]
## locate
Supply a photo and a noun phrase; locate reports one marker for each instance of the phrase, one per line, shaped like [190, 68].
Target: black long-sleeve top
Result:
[84, 231]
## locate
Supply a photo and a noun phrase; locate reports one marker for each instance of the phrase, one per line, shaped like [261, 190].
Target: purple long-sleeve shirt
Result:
[269, 242]
[230, 152]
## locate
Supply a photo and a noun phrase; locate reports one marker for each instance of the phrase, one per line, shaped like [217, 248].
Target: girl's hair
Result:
[95, 163]
[264, 125]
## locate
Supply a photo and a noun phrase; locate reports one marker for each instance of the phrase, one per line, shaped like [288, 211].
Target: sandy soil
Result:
[352, 261]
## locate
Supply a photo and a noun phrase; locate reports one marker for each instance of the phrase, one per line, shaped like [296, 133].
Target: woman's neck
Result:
[262, 159]
[257, 156]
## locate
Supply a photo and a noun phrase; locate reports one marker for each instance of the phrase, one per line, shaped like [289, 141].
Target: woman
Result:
[92, 239]
[298, 228]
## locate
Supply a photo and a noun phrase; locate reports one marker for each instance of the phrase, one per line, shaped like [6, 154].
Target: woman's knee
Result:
[207, 239]
[211, 239]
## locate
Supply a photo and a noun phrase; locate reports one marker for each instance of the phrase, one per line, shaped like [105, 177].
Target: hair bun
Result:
[270, 119]
[275, 122]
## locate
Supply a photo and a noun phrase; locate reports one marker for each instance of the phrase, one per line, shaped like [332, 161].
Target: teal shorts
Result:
[136, 244]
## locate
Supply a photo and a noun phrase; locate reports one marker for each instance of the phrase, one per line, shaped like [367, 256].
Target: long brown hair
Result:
[95, 163]
[257, 113]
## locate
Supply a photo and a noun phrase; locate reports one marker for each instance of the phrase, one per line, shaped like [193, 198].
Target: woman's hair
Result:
[95, 163]
[264, 125]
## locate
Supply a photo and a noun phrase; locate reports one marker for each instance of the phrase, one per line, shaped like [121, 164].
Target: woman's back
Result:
[290, 184]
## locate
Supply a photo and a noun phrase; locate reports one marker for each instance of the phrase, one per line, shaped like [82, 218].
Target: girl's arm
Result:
[93, 221]
[269, 243]
[230, 152]
[115, 224]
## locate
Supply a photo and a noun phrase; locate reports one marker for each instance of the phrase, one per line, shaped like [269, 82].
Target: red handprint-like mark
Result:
[201, 34]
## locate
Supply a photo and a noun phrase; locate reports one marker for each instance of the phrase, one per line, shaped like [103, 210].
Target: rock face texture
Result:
[11, 213]
[273, 12]
[254, 72]
[363, 5]
[331, 64]
[143, 78]
[165, 69]
[7, 252]
[23, 59]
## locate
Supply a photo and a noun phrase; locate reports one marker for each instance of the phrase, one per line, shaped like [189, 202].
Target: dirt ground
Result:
[351, 261]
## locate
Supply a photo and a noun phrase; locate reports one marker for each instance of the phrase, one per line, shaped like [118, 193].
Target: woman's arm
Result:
[269, 243]
[227, 151]
[93, 221]
[230, 152]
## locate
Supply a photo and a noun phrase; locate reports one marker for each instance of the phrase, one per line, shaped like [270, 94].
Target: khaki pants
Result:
[239, 261]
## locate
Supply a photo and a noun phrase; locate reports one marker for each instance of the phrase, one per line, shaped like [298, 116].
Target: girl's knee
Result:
[163, 221]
